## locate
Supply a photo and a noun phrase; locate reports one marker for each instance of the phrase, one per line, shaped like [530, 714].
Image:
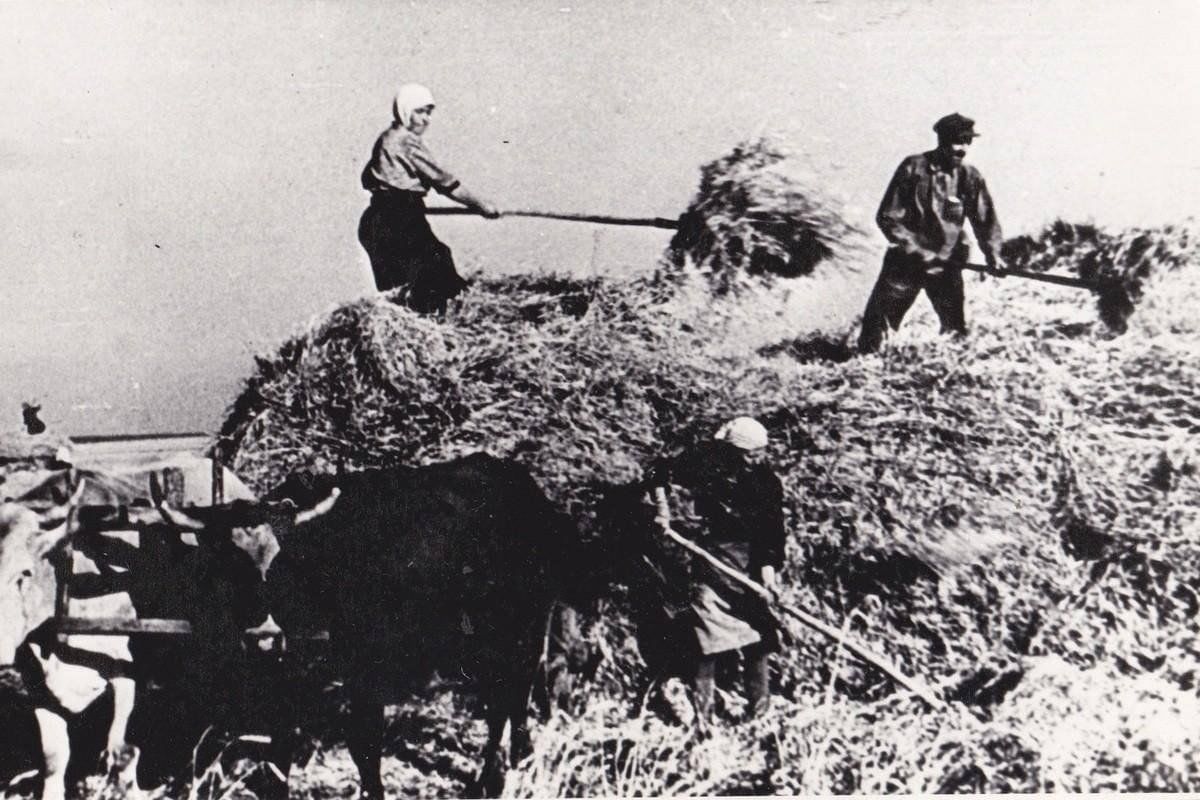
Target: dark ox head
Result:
[262, 525]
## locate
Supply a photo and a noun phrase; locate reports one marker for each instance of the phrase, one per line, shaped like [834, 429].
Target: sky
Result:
[179, 181]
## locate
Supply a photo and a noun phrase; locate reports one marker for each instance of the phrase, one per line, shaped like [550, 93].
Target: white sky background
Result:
[179, 181]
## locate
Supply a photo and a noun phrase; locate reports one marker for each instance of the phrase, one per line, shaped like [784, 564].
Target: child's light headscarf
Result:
[409, 98]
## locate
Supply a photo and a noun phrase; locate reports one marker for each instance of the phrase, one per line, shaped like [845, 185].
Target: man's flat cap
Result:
[955, 127]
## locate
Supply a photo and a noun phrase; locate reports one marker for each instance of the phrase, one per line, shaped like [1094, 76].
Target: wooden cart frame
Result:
[63, 624]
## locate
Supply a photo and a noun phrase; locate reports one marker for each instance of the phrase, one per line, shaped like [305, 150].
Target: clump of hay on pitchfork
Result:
[759, 213]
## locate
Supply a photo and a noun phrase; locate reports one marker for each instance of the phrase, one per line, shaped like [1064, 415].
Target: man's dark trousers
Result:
[900, 281]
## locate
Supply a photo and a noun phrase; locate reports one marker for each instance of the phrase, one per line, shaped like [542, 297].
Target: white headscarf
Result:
[409, 98]
[743, 432]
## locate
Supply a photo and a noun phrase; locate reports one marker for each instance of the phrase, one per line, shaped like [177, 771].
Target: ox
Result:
[123, 574]
[450, 568]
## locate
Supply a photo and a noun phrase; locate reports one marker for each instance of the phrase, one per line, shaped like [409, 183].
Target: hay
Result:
[24, 457]
[1120, 263]
[580, 380]
[760, 213]
[975, 509]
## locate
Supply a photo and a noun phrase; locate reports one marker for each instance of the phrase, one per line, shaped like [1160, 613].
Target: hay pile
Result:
[980, 508]
[24, 457]
[1014, 517]
[581, 381]
[19, 449]
[758, 213]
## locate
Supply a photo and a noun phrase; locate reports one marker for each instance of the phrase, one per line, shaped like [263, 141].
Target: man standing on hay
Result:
[922, 216]
[739, 502]
[394, 230]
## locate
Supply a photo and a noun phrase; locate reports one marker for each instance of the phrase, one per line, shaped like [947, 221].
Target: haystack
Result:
[19, 448]
[582, 381]
[24, 457]
[1016, 518]
[971, 507]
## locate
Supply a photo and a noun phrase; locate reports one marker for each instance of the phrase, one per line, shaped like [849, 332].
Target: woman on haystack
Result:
[393, 230]
[739, 502]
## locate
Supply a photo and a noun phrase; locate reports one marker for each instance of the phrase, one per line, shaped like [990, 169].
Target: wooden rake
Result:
[914, 685]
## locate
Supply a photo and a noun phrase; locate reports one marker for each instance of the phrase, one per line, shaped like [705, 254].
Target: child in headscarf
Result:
[393, 230]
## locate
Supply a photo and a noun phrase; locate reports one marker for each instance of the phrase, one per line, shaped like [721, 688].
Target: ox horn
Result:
[242, 513]
[323, 507]
[177, 519]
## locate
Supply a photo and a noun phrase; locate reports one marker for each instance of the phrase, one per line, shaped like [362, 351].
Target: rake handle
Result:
[602, 219]
[912, 684]
[1044, 277]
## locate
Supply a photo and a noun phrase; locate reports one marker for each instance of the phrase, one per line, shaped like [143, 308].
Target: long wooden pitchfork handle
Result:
[602, 219]
[912, 684]
[1043, 277]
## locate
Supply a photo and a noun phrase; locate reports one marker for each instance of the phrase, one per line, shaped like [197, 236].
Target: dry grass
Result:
[758, 214]
[1119, 262]
[1013, 517]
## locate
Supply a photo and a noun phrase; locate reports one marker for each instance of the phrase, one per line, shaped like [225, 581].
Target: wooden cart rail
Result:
[122, 626]
[93, 519]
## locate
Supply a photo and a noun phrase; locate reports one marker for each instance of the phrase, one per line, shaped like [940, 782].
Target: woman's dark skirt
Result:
[406, 255]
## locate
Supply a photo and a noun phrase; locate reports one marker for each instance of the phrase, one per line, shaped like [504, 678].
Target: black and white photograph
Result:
[598, 398]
